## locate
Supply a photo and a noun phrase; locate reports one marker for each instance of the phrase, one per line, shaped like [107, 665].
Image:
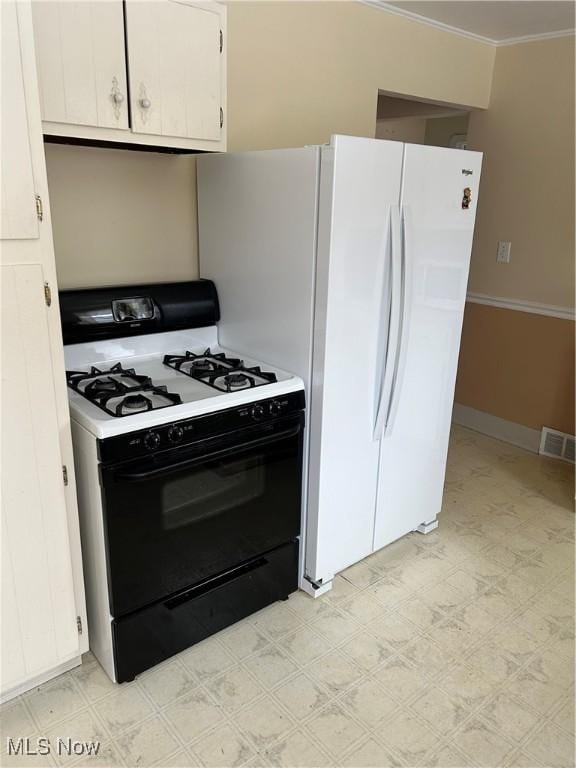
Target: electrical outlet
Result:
[503, 253]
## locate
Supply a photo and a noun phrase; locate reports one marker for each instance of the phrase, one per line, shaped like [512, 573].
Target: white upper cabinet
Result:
[174, 60]
[18, 215]
[81, 62]
[148, 72]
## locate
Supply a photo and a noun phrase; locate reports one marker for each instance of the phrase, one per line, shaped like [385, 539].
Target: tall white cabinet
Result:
[43, 623]
[144, 72]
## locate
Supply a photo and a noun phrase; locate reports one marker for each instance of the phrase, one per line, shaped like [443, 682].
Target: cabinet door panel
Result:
[175, 62]
[37, 584]
[18, 218]
[81, 62]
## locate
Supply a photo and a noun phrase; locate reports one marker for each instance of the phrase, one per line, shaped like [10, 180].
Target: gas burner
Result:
[135, 402]
[120, 391]
[238, 380]
[203, 365]
[130, 402]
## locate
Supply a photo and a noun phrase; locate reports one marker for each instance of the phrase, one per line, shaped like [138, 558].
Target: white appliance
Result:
[348, 264]
[181, 450]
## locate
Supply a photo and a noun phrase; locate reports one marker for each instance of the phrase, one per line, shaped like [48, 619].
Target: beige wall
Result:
[439, 130]
[516, 365]
[297, 72]
[527, 193]
[122, 217]
[395, 106]
[409, 129]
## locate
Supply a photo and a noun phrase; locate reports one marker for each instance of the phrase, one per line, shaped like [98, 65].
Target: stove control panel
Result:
[178, 434]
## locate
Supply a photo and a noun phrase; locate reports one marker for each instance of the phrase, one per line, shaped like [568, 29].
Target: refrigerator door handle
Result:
[406, 304]
[389, 367]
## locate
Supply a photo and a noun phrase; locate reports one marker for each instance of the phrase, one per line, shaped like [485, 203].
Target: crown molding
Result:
[383, 6]
[533, 38]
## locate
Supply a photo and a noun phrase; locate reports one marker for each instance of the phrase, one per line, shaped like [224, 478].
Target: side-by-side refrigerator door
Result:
[437, 211]
[359, 188]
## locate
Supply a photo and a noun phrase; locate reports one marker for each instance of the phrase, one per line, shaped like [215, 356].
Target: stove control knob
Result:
[175, 434]
[274, 408]
[258, 412]
[152, 441]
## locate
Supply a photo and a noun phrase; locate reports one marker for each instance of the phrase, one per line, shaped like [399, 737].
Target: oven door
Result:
[185, 515]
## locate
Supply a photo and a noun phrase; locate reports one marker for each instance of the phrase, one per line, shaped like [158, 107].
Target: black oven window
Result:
[211, 491]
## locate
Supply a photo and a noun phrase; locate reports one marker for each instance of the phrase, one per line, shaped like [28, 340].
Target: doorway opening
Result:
[421, 122]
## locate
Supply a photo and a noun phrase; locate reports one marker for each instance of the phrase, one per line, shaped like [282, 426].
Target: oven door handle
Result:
[137, 477]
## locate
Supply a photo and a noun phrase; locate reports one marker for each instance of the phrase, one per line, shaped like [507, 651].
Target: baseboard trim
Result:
[494, 426]
[75, 661]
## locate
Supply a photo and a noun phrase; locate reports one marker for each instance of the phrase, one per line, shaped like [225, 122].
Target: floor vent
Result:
[556, 444]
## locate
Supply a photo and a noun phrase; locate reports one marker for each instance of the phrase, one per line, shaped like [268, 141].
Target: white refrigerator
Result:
[347, 264]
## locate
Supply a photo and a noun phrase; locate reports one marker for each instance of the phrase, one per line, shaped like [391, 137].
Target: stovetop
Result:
[125, 384]
[120, 391]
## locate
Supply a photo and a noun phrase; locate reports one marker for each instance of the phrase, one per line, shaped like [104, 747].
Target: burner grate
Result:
[95, 379]
[190, 363]
[136, 400]
[121, 391]
[226, 374]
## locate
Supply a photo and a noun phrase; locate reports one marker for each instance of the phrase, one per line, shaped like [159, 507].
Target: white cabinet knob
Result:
[118, 98]
[145, 103]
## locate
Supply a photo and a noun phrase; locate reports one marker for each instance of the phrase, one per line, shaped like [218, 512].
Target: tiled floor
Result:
[452, 649]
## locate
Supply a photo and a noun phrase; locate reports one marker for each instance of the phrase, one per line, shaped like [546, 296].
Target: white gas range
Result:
[188, 462]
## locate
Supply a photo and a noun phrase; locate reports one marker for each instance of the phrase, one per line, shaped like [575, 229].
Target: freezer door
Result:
[359, 186]
[437, 212]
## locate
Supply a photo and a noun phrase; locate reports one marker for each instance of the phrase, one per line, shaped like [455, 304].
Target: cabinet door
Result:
[81, 62]
[175, 68]
[39, 616]
[18, 219]
[42, 588]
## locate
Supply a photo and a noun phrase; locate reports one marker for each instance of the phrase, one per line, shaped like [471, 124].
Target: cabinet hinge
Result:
[47, 294]
[221, 117]
[65, 474]
[221, 41]
[79, 624]
[39, 208]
